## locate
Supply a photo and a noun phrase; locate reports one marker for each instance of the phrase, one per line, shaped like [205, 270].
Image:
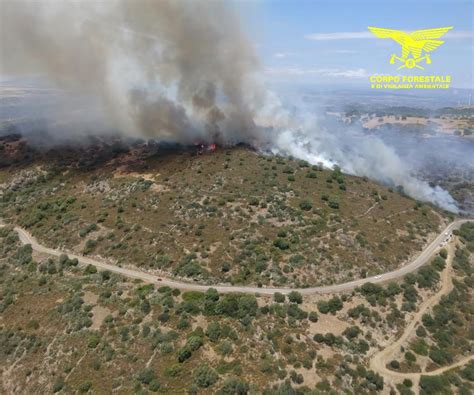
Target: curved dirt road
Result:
[424, 257]
[379, 361]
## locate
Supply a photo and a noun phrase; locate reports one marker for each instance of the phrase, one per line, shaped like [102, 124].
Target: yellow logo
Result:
[414, 43]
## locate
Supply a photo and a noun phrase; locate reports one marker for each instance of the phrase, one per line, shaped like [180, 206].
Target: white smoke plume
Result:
[301, 136]
[368, 156]
[180, 71]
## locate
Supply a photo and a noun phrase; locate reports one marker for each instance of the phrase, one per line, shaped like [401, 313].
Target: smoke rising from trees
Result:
[172, 70]
[180, 71]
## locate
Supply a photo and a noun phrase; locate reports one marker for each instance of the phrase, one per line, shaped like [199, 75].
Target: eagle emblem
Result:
[413, 43]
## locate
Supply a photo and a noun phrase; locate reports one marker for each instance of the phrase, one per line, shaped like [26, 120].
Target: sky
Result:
[328, 42]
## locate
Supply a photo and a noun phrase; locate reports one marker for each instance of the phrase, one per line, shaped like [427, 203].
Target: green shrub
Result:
[438, 263]
[183, 354]
[440, 356]
[145, 307]
[146, 376]
[421, 331]
[433, 385]
[237, 305]
[58, 384]
[420, 347]
[468, 371]
[375, 379]
[408, 383]
[173, 370]
[253, 201]
[306, 205]
[392, 289]
[225, 348]
[189, 268]
[333, 202]
[294, 311]
[313, 316]
[323, 307]
[234, 386]
[88, 229]
[395, 364]
[295, 297]
[85, 386]
[183, 323]
[279, 297]
[281, 244]
[410, 357]
[331, 306]
[90, 269]
[94, 341]
[90, 246]
[194, 342]
[154, 385]
[205, 376]
[351, 332]
[213, 331]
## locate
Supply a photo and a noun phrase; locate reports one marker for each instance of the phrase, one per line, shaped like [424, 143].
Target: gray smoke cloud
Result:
[180, 71]
[172, 70]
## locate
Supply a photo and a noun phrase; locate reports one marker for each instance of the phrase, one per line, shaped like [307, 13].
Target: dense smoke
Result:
[316, 139]
[180, 71]
[361, 155]
[171, 70]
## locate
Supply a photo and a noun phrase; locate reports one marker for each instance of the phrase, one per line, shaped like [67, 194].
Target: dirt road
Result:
[424, 257]
[382, 358]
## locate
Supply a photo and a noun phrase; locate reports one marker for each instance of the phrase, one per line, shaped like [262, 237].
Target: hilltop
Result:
[229, 215]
